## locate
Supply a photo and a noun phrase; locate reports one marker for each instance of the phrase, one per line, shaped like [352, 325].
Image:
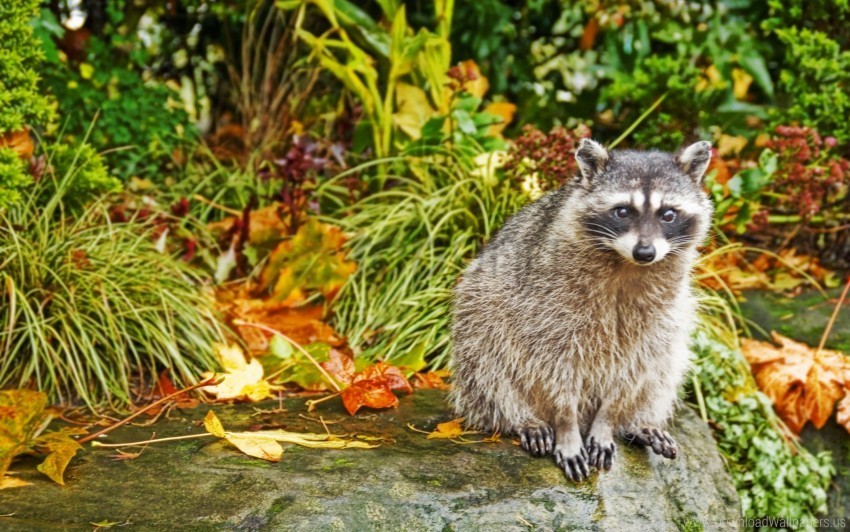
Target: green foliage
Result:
[773, 475]
[21, 102]
[86, 303]
[741, 198]
[410, 243]
[79, 176]
[13, 177]
[816, 81]
[139, 122]
[372, 62]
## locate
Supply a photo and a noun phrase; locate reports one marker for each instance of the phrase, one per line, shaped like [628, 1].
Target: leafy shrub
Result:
[82, 176]
[773, 476]
[21, 102]
[815, 80]
[88, 304]
[13, 177]
[139, 122]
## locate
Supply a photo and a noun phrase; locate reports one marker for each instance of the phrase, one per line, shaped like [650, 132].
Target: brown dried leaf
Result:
[803, 385]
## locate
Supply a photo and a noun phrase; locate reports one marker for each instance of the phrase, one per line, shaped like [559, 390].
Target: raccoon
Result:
[572, 326]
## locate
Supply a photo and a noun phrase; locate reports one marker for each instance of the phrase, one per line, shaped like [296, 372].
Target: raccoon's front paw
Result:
[660, 441]
[574, 465]
[600, 453]
[537, 438]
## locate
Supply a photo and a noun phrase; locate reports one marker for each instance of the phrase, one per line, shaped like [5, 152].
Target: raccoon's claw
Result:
[575, 467]
[660, 441]
[600, 454]
[538, 440]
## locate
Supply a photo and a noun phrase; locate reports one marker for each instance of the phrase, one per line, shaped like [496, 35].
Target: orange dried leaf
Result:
[432, 379]
[803, 385]
[391, 376]
[371, 393]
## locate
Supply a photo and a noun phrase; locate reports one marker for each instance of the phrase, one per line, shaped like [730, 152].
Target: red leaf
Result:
[371, 393]
[389, 375]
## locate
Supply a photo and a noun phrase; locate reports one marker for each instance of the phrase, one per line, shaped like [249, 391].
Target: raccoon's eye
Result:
[621, 212]
[668, 216]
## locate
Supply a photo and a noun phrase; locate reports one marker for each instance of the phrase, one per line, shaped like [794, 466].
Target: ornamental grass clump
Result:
[411, 241]
[87, 306]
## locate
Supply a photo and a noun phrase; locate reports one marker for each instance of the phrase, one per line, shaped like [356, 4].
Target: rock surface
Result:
[409, 483]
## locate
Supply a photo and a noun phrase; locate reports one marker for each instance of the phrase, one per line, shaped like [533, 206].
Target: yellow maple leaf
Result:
[241, 378]
[450, 430]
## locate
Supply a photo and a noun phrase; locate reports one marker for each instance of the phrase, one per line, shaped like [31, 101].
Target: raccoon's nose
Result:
[644, 253]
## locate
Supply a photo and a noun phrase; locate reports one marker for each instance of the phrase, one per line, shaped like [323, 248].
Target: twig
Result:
[297, 346]
[637, 122]
[833, 317]
[311, 403]
[145, 442]
[209, 382]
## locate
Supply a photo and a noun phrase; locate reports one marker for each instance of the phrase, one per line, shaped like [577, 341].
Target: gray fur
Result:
[555, 330]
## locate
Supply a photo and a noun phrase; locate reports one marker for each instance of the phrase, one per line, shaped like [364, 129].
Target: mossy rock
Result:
[408, 483]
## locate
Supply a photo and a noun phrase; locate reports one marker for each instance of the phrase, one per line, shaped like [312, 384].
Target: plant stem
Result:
[208, 382]
[833, 317]
[297, 346]
[155, 440]
[637, 122]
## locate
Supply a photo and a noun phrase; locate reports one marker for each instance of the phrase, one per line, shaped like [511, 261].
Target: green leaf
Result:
[413, 360]
[281, 348]
[754, 64]
[464, 122]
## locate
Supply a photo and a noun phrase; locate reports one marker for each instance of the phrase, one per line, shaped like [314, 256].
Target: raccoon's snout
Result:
[644, 254]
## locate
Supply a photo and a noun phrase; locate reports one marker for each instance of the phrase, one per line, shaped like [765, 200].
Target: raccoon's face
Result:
[644, 206]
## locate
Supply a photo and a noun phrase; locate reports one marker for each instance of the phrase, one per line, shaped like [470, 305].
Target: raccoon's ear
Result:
[591, 158]
[694, 160]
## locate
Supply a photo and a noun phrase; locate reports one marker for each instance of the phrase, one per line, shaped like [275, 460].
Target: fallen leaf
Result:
[256, 446]
[264, 443]
[432, 379]
[374, 394]
[12, 482]
[213, 425]
[241, 379]
[21, 416]
[382, 372]
[450, 430]
[803, 384]
[60, 449]
[340, 366]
